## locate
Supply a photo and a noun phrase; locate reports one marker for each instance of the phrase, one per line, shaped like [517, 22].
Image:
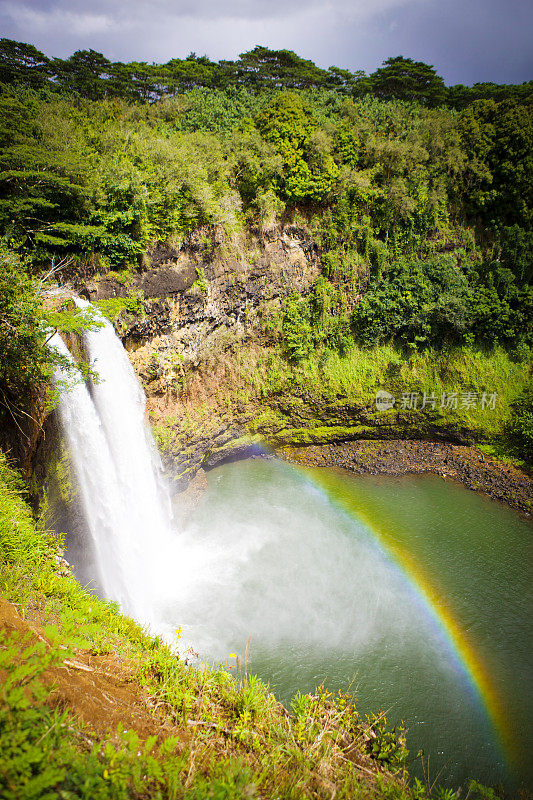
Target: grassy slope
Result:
[356, 376]
[330, 397]
[170, 730]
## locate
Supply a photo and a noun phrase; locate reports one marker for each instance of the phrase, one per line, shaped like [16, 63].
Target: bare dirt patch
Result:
[100, 690]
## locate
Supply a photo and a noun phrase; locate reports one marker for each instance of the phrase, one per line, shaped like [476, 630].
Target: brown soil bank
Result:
[100, 690]
[468, 465]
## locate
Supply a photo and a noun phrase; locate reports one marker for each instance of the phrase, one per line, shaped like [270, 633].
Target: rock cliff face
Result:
[24, 435]
[202, 300]
[211, 284]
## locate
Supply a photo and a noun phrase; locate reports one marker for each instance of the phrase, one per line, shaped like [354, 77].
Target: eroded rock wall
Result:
[210, 282]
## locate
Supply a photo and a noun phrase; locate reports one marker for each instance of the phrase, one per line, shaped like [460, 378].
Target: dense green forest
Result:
[417, 194]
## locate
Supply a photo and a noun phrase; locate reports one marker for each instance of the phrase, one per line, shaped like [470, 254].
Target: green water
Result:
[291, 564]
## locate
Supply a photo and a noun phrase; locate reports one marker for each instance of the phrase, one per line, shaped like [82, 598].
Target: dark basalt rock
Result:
[451, 461]
[231, 454]
[209, 278]
[168, 280]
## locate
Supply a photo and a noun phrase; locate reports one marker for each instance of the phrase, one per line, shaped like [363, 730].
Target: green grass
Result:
[328, 397]
[361, 372]
[328, 380]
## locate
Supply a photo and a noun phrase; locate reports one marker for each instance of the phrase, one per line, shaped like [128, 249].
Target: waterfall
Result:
[221, 577]
[117, 472]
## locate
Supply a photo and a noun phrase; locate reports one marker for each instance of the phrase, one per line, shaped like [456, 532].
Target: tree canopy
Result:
[404, 79]
[94, 76]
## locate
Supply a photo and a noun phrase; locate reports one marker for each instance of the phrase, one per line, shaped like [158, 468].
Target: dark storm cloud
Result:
[466, 40]
[474, 40]
[200, 9]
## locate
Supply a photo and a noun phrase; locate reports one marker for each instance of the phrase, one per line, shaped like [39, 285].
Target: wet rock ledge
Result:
[472, 468]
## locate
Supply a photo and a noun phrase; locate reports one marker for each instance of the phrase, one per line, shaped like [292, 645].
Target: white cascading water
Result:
[223, 577]
[275, 561]
[117, 468]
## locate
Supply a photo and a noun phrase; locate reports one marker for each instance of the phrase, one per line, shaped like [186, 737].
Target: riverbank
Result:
[252, 395]
[468, 465]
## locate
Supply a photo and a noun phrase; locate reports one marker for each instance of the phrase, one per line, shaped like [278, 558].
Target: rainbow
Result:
[463, 650]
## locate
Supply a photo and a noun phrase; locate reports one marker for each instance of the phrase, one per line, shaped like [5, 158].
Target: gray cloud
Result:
[46, 13]
[466, 40]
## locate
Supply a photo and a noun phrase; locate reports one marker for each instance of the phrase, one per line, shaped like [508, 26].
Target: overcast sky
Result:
[466, 40]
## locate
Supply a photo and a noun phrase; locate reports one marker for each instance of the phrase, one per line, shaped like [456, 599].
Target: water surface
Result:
[306, 563]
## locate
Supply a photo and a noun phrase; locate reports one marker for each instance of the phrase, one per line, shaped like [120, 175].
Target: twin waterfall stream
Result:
[300, 561]
[117, 468]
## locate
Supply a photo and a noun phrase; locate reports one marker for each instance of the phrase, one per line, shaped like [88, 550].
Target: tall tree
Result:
[192, 72]
[277, 69]
[23, 63]
[86, 72]
[498, 139]
[460, 96]
[404, 79]
[309, 170]
[40, 187]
